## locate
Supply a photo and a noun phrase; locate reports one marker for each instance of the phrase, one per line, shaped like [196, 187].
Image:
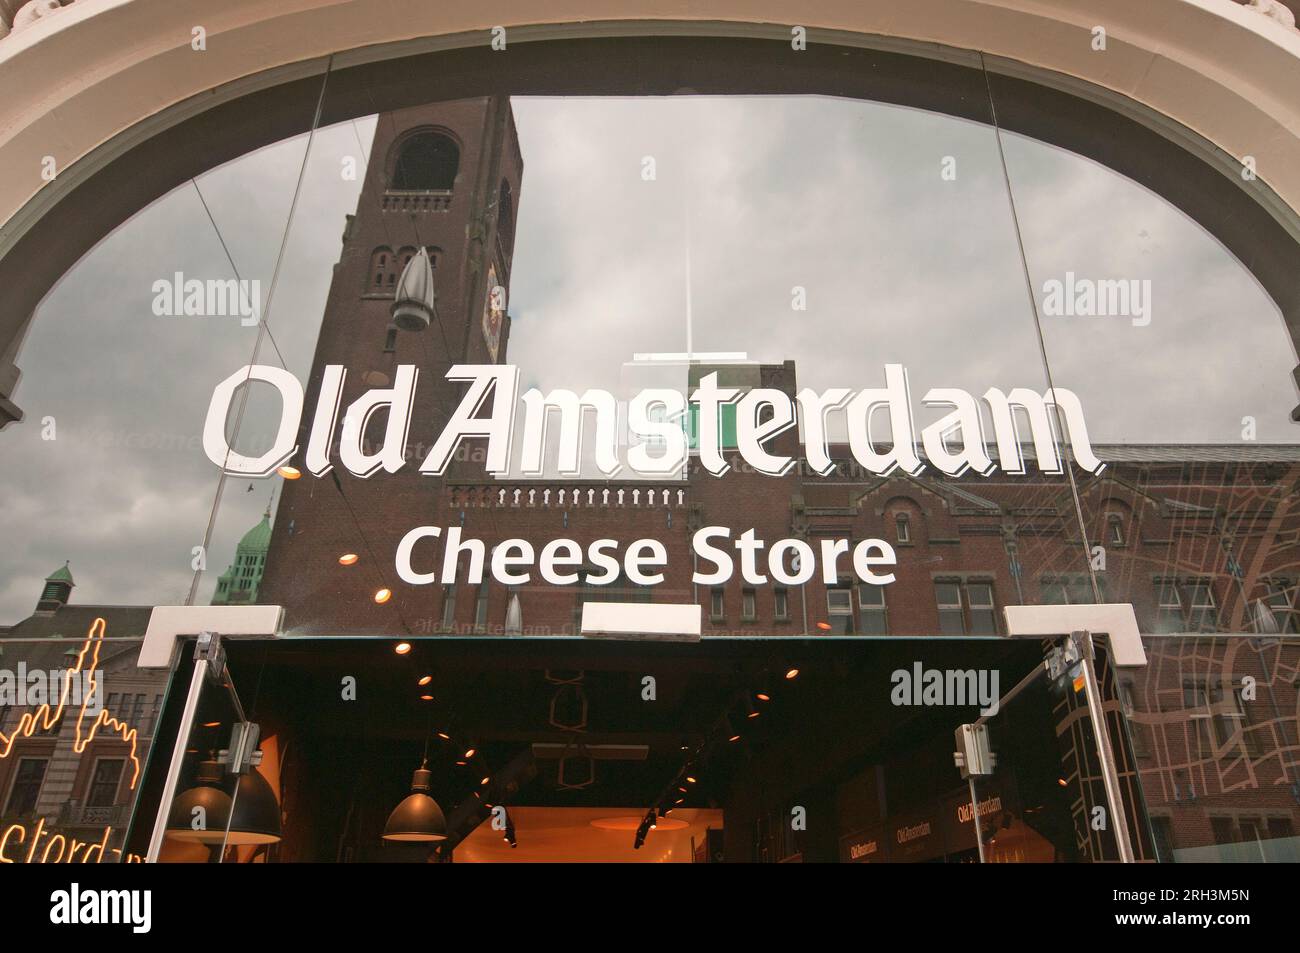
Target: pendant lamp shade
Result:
[202, 812]
[413, 299]
[418, 818]
[255, 817]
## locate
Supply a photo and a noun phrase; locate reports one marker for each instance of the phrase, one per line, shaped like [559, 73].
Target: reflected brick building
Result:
[1201, 540]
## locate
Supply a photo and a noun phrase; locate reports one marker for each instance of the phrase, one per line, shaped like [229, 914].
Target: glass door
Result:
[217, 803]
[1039, 788]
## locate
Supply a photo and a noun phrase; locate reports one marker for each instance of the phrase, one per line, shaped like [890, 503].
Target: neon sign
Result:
[88, 721]
[65, 848]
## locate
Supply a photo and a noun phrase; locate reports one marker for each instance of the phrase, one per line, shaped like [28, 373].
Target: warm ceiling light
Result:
[347, 559]
[792, 673]
[211, 724]
[444, 736]
[1062, 782]
[752, 714]
[734, 738]
[426, 698]
[682, 789]
[383, 595]
[485, 780]
[461, 764]
[401, 648]
[425, 680]
[824, 626]
[680, 800]
[469, 753]
[689, 779]
[288, 472]
[763, 697]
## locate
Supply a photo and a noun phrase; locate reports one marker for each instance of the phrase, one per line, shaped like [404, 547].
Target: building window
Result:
[717, 605]
[1169, 606]
[382, 265]
[1223, 830]
[1203, 614]
[903, 529]
[104, 782]
[1066, 590]
[448, 607]
[26, 788]
[748, 605]
[965, 608]
[781, 598]
[428, 162]
[839, 610]
[1281, 603]
[1185, 606]
[1115, 529]
[481, 608]
[390, 341]
[872, 619]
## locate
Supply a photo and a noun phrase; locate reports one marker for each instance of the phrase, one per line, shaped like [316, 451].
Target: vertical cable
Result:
[261, 325]
[1042, 346]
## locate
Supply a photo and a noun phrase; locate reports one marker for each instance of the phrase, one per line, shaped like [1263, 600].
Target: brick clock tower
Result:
[444, 177]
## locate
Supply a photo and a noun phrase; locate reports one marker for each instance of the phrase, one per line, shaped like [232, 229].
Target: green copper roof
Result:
[62, 574]
[258, 539]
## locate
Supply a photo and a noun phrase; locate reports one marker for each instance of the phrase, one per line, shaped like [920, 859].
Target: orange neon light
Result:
[43, 717]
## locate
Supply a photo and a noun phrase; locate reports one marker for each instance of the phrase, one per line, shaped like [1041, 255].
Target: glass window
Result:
[717, 604]
[983, 617]
[839, 610]
[966, 608]
[1202, 613]
[1281, 605]
[104, 782]
[1169, 611]
[872, 615]
[749, 605]
[952, 620]
[781, 599]
[1115, 525]
[448, 608]
[902, 529]
[26, 789]
[481, 609]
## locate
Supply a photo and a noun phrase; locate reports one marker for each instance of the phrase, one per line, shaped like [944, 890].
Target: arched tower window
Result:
[428, 162]
[382, 266]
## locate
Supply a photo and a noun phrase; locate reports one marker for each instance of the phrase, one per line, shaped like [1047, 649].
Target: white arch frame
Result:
[1217, 68]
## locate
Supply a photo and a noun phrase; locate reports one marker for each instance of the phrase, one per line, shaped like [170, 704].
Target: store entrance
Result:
[773, 750]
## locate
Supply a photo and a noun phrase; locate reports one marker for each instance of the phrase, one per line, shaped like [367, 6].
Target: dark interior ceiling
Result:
[502, 697]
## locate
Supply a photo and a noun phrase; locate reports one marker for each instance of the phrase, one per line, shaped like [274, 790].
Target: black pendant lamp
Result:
[256, 812]
[418, 818]
[255, 818]
[206, 803]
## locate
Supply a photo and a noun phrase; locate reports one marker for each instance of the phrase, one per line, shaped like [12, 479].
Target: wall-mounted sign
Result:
[864, 847]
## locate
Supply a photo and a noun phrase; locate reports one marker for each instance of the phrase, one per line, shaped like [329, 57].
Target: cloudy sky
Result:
[750, 197]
